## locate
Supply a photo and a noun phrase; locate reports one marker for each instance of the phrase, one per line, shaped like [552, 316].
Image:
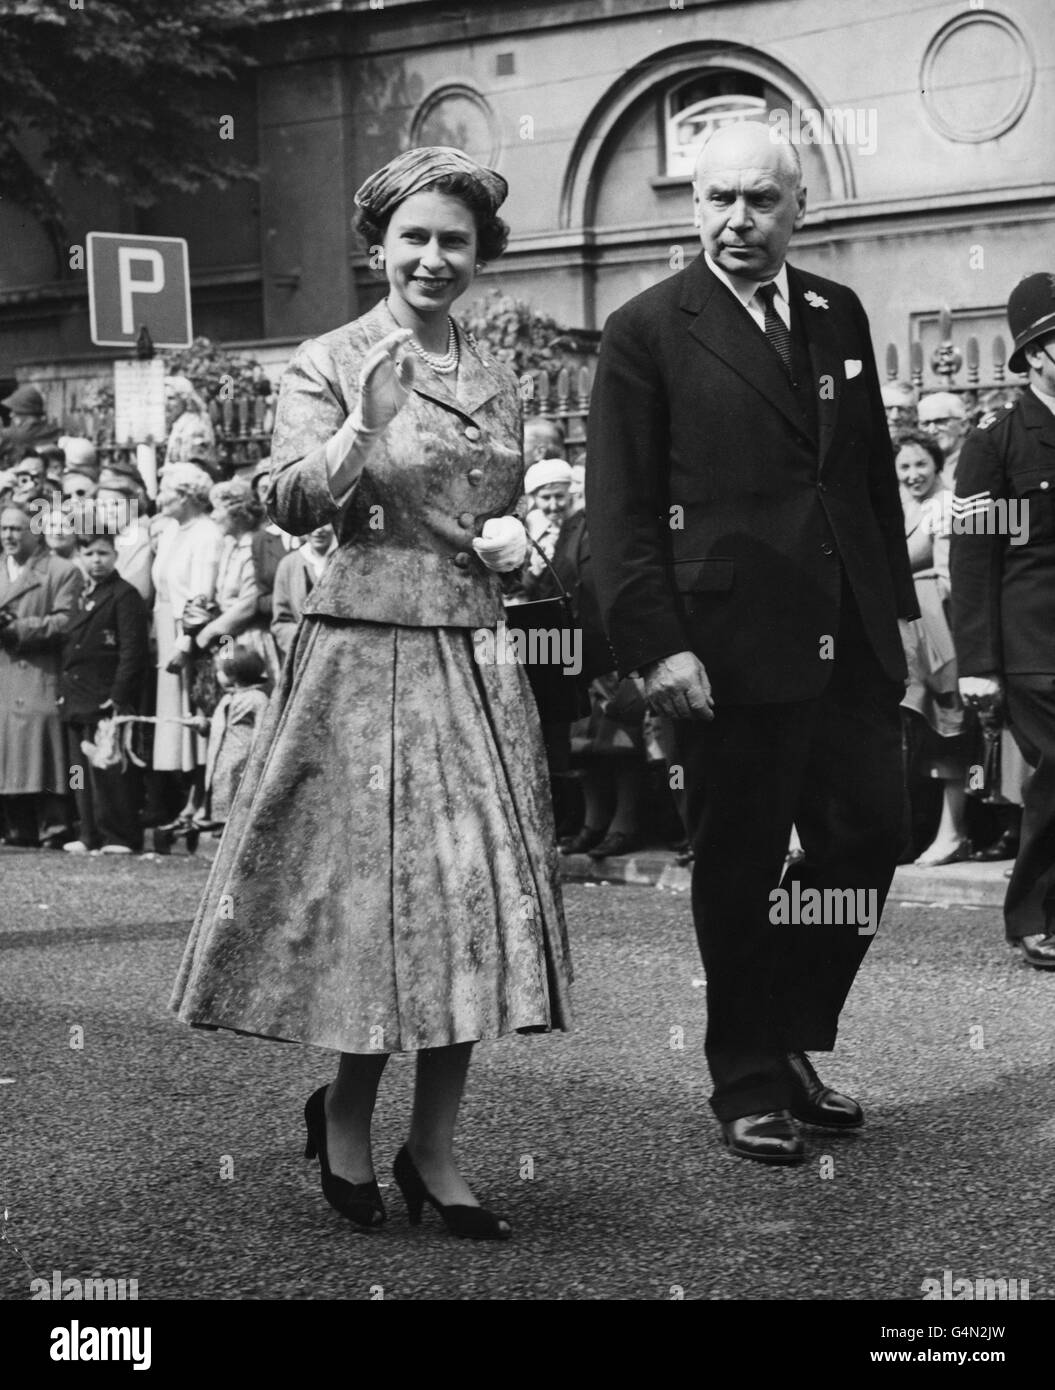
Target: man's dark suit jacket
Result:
[717, 520]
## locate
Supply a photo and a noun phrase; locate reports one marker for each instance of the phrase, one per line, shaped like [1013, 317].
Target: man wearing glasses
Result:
[1003, 598]
[30, 478]
[943, 415]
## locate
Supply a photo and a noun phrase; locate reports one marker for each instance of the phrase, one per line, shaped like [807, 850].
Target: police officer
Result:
[1003, 596]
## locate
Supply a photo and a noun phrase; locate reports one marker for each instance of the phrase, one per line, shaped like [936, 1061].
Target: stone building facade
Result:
[922, 131]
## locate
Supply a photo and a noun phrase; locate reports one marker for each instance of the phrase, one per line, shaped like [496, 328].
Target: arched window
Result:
[696, 108]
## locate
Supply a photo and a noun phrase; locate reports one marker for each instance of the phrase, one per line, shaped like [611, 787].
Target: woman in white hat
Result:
[548, 486]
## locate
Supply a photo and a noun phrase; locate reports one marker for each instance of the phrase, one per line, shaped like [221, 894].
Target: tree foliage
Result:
[523, 338]
[111, 91]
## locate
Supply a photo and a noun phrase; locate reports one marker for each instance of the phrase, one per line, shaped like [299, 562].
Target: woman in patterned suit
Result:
[387, 880]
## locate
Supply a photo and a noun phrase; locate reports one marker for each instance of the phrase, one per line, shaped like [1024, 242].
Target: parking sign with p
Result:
[138, 282]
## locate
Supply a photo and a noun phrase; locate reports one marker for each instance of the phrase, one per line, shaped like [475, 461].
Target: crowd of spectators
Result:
[140, 638]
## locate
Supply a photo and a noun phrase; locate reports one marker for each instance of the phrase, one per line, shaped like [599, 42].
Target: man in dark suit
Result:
[1003, 597]
[750, 559]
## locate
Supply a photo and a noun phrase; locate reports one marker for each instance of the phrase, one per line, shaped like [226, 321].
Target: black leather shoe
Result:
[616, 842]
[817, 1104]
[1039, 951]
[1004, 848]
[471, 1223]
[587, 837]
[360, 1202]
[769, 1138]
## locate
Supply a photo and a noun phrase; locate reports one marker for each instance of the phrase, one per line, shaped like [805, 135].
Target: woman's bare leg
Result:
[952, 830]
[438, 1091]
[350, 1101]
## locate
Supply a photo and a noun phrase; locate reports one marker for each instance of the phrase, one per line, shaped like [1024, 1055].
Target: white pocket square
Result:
[853, 368]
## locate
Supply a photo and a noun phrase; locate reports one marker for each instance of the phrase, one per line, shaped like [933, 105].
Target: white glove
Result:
[385, 382]
[502, 545]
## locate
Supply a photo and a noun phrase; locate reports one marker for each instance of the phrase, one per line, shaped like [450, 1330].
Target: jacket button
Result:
[463, 559]
[472, 433]
[827, 549]
[1045, 484]
[475, 476]
[467, 520]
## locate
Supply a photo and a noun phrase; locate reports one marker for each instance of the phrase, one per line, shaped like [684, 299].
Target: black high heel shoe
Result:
[474, 1223]
[360, 1202]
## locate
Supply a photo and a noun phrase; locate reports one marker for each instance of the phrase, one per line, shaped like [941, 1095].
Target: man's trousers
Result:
[832, 766]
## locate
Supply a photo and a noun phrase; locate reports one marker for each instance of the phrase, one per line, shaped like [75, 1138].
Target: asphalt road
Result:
[173, 1157]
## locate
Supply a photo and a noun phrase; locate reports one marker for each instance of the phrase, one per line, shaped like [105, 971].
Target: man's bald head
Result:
[749, 144]
[749, 198]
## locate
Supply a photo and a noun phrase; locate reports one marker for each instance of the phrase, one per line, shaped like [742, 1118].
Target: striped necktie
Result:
[776, 332]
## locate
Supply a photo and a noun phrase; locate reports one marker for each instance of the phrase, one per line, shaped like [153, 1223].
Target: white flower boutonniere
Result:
[815, 300]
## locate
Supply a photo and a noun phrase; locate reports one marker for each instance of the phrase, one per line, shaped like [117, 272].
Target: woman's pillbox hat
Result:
[418, 169]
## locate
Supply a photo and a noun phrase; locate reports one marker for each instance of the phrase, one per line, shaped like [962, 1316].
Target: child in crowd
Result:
[241, 675]
[104, 661]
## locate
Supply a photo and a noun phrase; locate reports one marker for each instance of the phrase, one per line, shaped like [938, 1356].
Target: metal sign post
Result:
[139, 296]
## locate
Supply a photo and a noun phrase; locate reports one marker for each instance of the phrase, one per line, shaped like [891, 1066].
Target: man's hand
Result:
[981, 692]
[677, 686]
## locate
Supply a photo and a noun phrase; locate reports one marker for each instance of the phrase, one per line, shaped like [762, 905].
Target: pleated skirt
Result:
[387, 879]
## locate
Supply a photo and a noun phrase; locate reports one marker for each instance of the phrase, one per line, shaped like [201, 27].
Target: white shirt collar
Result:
[1043, 396]
[745, 290]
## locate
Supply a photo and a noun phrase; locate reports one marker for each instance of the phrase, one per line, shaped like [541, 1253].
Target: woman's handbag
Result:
[985, 774]
[551, 646]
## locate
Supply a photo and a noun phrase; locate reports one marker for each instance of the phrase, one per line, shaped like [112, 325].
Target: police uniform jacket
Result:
[449, 461]
[106, 650]
[1003, 592]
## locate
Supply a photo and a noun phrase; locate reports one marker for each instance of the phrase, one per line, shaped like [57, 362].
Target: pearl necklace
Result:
[443, 363]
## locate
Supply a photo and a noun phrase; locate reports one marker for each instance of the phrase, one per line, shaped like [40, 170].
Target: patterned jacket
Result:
[445, 465]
